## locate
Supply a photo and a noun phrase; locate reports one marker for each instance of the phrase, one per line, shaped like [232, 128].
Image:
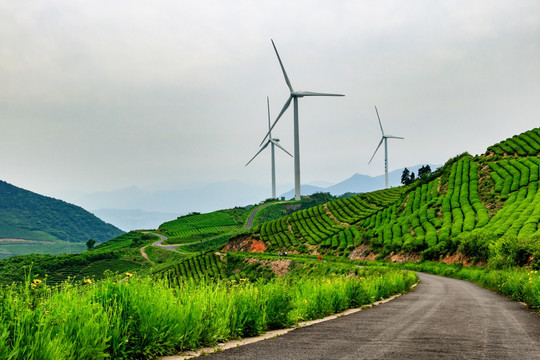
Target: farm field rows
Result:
[196, 227]
[482, 196]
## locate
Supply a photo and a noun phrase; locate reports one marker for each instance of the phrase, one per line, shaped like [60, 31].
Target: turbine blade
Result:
[380, 124]
[281, 147]
[282, 68]
[268, 106]
[393, 137]
[311, 93]
[382, 139]
[287, 103]
[258, 152]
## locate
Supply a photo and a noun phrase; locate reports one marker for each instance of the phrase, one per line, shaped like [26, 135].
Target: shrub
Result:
[474, 246]
[509, 251]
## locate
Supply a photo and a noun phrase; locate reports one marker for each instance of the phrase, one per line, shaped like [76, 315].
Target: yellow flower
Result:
[37, 281]
[129, 274]
[87, 281]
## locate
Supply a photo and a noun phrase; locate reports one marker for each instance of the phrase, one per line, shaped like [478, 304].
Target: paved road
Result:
[443, 318]
[159, 244]
[251, 217]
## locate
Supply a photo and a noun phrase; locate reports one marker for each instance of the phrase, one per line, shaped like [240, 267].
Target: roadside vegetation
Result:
[126, 316]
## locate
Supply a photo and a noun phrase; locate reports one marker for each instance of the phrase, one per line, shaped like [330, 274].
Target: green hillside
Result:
[468, 204]
[196, 226]
[135, 298]
[30, 216]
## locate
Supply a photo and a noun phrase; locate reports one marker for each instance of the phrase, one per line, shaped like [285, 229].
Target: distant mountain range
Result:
[359, 183]
[134, 208]
[30, 216]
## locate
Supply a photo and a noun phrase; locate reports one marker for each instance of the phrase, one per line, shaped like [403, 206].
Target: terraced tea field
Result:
[492, 195]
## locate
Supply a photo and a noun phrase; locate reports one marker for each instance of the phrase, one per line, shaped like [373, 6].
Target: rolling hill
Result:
[467, 206]
[30, 216]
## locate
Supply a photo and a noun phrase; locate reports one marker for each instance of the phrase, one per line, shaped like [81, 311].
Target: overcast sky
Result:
[100, 95]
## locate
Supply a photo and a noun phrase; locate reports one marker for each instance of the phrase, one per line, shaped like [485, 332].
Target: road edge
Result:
[275, 333]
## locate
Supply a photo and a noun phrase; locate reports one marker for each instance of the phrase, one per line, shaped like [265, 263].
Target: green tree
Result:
[424, 171]
[90, 244]
[405, 177]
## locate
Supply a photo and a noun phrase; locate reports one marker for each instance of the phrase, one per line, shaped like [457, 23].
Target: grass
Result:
[128, 317]
[120, 254]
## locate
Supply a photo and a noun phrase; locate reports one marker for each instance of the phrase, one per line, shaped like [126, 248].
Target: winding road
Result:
[441, 319]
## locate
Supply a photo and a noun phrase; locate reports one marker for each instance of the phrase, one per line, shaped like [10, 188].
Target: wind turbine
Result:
[274, 142]
[294, 96]
[384, 138]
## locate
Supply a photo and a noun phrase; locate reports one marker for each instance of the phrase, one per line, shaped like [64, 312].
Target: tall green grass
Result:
[131, 317]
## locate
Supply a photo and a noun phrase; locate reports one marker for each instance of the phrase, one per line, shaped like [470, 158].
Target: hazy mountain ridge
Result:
[27, 215]
[133, 208]
[359, 183]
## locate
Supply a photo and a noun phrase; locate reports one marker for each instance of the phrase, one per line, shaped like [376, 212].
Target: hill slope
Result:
[30, 216]
[465, 206]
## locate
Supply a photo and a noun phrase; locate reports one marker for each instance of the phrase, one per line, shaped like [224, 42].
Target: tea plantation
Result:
[468, 204]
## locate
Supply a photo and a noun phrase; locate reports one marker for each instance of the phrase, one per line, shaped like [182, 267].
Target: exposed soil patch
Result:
[278, 267]
[362, 252]
[405, 257]
[456, 259]
[247, 244]
[292, 207]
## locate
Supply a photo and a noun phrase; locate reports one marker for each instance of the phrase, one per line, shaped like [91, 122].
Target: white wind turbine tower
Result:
[384, 138]
[294, 95]
[273, 142]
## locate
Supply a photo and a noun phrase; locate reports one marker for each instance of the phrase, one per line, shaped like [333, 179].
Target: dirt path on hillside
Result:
[442, 318]
[145, 255]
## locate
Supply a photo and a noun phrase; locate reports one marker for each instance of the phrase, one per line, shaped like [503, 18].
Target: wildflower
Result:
[33, 285]
[129, 274]
[87, 281]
